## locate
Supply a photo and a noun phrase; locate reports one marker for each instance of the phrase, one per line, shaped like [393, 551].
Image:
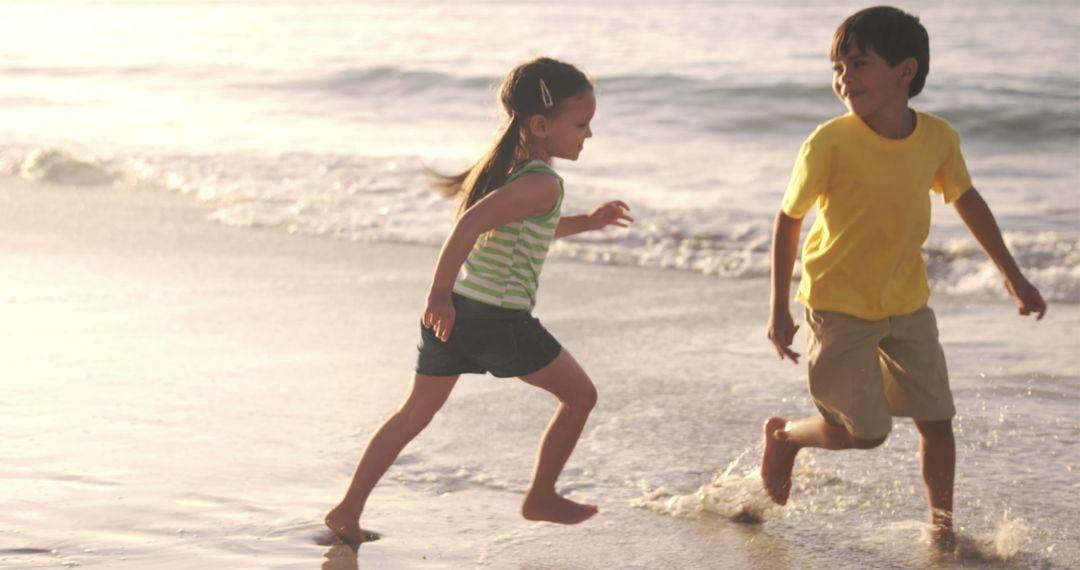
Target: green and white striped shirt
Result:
[504, 269]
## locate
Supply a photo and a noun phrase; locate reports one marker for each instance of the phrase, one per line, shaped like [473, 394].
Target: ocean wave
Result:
[673, 84]
[1050, 260]
[722, 105]
[57, 167]
[76, 71]
[203, 71]
[390, 200]
[1008, 122]
[389, 81]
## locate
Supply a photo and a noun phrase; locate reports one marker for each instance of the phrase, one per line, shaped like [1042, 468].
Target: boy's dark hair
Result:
[537, 87]
[892, 33]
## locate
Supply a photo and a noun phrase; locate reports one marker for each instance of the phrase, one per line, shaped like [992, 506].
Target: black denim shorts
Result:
[486, 338]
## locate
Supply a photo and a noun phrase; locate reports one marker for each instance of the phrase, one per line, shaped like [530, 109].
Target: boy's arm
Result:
[609, 214]
[978, 218]
[782, 328]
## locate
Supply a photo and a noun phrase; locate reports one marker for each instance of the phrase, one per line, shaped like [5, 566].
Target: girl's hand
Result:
[610, 214]
[1028, 299]
[439, 315]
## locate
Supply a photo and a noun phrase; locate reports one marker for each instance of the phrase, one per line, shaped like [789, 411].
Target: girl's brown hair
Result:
[533, 88]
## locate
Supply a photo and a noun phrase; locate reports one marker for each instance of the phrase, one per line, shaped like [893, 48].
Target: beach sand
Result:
[178, 393]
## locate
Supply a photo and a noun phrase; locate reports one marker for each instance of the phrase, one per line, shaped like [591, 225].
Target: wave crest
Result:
[390, 199]
[58, 167]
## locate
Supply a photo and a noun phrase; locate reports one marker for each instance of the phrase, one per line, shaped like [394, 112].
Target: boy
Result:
[873, 347]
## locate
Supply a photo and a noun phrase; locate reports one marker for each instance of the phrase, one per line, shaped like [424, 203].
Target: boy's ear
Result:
[908, 68]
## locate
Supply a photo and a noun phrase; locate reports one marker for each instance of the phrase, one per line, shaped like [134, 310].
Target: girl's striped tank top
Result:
[504, 268]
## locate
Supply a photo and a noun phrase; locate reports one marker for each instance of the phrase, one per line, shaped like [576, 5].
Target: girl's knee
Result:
[590, 397]
[417, 417]
[583, 398]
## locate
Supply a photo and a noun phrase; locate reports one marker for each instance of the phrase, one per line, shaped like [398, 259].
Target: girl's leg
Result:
[784, 439]
[427, 396]
[937, 448]
[568, 382]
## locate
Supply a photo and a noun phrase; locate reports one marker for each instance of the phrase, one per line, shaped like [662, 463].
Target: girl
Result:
[478, 315]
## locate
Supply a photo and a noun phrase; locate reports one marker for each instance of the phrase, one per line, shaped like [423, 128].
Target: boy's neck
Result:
[894, 124]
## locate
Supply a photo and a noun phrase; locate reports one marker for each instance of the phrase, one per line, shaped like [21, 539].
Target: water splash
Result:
[1004, 543]
[739, 498]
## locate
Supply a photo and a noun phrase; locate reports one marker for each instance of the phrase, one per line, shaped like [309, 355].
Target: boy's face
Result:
[868, 85]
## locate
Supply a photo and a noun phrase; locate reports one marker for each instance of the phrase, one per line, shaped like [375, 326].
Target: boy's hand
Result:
[1028, 299]
[782, 332]
[610, 214]
[439, 315]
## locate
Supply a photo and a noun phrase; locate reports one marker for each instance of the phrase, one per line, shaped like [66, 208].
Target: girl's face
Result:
[563, 136]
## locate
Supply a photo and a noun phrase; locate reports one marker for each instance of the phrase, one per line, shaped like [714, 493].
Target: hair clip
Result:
[545, 95]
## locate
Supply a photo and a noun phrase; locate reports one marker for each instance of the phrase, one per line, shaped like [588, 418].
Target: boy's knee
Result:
[868, 443]
[935, 430]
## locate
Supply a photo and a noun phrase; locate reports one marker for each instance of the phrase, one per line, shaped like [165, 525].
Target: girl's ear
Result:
[537, 126]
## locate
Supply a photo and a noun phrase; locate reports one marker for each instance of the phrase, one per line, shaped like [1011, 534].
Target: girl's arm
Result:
[782, 328]
[531, 194]
[609, 214]
[978, 218]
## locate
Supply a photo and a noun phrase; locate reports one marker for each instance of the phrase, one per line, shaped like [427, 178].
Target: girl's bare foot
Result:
[777, 461]
[346, 527]
[556, 509]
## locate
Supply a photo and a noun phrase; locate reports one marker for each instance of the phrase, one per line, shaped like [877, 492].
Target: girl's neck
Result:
[534, 152]
[537, 156]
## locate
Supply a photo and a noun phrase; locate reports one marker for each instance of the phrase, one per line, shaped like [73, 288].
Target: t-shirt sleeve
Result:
[809, 177]
[952, 178]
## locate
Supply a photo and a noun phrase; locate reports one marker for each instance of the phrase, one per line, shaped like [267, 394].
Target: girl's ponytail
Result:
[490, 172]
[533, 88]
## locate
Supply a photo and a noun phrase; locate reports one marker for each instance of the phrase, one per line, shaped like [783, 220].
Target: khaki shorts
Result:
[862, 373]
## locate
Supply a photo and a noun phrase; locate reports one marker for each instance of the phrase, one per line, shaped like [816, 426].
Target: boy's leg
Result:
[784, 439]
[938, 452]
[845, 381]
[427, 397]
[568, 382]
[917, 381]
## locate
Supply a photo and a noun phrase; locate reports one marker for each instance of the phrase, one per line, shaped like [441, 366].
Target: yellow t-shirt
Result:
[863, 254]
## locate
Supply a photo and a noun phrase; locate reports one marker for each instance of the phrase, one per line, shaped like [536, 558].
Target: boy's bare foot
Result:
[347, 527]
[943, 538]
[941, 531]
[556, 509]
[777, 461]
